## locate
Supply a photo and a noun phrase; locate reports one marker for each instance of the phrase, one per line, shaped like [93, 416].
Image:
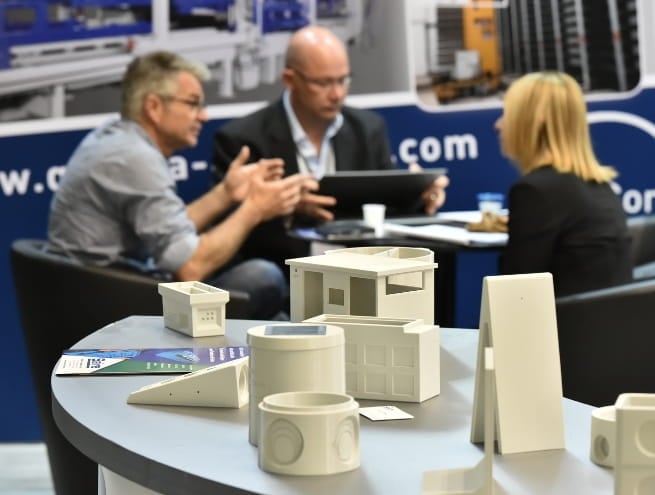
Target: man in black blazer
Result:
[312, 131]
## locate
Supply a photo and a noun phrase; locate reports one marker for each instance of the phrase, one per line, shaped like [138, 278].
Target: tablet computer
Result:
[399, 189]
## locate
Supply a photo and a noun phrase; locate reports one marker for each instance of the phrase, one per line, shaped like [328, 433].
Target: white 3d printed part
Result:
[194, 308]
[517, 317]
[308, 433]
[293, 358]
[603, 436]
[388, 358]
[634, 470]
[223, 385]
[477, 480]
[395, 282]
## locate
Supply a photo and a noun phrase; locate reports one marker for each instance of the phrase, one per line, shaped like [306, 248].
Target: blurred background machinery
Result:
[49, 49]
[476, 47]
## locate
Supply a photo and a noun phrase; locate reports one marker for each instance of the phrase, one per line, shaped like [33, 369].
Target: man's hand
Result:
[435, 195]
[314, 205]
[273, 198]
[238, 178]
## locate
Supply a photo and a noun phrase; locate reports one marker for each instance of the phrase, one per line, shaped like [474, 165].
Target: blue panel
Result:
[282, 15]
[35, 26]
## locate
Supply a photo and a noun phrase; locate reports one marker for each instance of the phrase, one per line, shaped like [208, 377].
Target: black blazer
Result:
[574, 229]
[360, 144]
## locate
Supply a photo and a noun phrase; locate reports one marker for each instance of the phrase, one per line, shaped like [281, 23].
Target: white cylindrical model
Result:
[308, 433]
[292, 358]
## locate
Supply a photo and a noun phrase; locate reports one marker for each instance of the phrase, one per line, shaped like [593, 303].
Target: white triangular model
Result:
[223, 385]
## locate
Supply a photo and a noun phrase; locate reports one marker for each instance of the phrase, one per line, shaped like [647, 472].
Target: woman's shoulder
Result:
[548, 176]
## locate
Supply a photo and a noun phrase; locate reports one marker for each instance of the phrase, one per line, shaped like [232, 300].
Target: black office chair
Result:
[60, 301]
[606, 340]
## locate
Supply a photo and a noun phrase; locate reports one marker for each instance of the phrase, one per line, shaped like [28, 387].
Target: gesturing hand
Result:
[273, 198]
[435, 195]
[314, 205]
[239, 175]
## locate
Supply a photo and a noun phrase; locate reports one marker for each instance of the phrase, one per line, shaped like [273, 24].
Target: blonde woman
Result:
[564, 216]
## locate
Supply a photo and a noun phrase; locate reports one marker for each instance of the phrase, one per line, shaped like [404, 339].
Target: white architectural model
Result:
[194, 308]
[634, 471]
[388, 358]
[395, 282]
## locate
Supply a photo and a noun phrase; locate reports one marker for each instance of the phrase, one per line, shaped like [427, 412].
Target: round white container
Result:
[308, 433]
[293, 362]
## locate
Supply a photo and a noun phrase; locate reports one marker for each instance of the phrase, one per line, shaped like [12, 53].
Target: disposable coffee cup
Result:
[490, 202]
[374, 217]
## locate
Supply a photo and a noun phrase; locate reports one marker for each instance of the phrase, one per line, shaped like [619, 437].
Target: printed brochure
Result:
[145, 361]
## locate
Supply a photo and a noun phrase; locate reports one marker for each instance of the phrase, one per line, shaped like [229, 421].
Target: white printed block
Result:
[388, 358]
[194, 308]
[634, 471]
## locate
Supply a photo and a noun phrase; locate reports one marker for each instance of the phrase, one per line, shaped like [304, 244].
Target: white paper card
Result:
[384, 413]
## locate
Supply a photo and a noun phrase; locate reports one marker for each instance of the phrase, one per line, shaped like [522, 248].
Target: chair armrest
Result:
[238, 306]
[606, 340]
[642, 231]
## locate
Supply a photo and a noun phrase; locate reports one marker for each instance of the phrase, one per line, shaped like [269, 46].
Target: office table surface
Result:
[184, 450]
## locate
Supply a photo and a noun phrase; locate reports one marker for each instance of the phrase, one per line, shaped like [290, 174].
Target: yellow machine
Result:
[480, 35]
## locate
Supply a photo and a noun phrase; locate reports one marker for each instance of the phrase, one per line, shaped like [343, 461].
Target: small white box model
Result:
[388, 358]
[634, 471]
[194, 308]
[395, 282]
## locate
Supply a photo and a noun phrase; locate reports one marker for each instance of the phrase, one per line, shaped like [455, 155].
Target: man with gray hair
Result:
[118, 204]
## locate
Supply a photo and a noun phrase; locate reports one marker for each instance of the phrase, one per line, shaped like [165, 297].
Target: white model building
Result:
[388, 358]
[396, 282]
[194, 308]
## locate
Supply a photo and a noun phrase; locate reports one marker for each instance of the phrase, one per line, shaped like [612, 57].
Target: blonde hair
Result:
[154, 73]
[545, 123]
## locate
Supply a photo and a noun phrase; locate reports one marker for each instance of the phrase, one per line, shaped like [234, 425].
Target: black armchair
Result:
[642, 231]
[606, 340]
[61, 301]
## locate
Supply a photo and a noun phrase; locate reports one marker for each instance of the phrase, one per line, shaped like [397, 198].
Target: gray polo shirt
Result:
[118, 203]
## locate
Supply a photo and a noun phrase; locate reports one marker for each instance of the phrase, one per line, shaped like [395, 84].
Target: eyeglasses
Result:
[195, 105]
[326, 83]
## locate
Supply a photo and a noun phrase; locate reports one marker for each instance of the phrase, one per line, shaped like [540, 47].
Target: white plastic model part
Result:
[477, 480]
[396, 282]
[517, 315]
[308, 433]
[194, 308]
[388, 358]
[634, 470]
[223, 385]
[111, 483]
[602, 450]
[293, 357]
